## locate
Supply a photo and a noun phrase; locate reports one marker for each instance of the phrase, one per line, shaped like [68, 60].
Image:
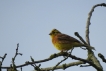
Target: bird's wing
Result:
[63, 38]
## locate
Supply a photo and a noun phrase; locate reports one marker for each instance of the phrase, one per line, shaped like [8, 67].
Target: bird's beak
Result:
[50, 33]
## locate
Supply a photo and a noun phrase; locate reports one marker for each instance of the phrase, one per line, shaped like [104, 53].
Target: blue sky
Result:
[29, 23]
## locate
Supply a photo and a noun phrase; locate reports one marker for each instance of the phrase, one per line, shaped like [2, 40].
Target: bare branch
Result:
[102, 57]
[91, 60]
[88, 21]
[52, 57]
[16, 53]
[77, 34]
[91, 55]
[1, 62]
[3, 57]
[85, 44]
[63, 66]
[59, 63]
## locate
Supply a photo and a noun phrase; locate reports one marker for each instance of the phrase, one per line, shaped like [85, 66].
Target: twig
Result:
[85, 44]
[34, 65]
[3, 57]
[84, 65]
[77, 34]
[102, 57]
[59, 63]
[16, 53]
[21, 68]
[1, 62]
[13, 59]
[36, 68]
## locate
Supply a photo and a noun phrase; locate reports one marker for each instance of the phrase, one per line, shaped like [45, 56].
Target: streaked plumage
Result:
[63, 42]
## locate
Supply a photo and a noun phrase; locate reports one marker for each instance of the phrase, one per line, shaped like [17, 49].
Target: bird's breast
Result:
[54, 40]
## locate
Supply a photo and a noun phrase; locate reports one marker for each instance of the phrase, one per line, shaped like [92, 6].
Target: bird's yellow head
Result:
[54, 32]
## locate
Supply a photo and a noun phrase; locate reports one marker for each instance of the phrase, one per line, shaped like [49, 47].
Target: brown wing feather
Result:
[63, 38]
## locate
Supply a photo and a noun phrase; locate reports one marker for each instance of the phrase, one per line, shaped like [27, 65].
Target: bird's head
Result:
[54, 32]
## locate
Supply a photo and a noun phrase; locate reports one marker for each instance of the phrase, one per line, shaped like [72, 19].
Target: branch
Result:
[59, 63]
[63, 66]
[40, 61]
[13, 59]
[52, 57]
[16, 53]
[102, 57]
[91, 55]
[88, 21]
[84, 60]
[1, 62]
[85, 44]
[77, 34]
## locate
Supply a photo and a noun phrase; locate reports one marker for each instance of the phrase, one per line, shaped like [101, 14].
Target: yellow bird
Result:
[64, 42]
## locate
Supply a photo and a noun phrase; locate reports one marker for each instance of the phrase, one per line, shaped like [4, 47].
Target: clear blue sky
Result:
[29, 23]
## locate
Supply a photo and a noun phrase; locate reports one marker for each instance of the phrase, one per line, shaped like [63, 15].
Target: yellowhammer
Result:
[64, 42]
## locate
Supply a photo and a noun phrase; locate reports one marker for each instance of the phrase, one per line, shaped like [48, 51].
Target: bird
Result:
[64, 42]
